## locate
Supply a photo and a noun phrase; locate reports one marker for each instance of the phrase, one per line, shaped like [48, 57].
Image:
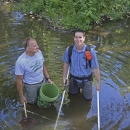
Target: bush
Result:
[81, 14]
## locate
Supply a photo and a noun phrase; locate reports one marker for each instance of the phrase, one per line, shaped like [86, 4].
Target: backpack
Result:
[88, 48]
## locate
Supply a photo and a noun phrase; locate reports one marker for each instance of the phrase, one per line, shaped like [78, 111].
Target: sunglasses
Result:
[27, 41]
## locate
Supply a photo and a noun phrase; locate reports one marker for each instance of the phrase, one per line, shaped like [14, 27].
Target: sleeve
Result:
[19, 70]
[65, 57]
[43, 59]
[94, 61]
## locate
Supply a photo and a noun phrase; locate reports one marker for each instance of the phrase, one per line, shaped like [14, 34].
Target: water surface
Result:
[111, 42]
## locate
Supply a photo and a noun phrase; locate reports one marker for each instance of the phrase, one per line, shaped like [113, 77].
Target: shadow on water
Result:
[110, 40]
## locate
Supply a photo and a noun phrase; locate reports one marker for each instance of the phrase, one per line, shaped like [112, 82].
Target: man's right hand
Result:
[65, 82]
[23, 99]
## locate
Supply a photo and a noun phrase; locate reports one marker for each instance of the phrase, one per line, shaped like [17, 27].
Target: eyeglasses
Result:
[27, 41]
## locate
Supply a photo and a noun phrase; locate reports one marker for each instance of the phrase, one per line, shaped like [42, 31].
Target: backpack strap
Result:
[88, 48]
[70, 53]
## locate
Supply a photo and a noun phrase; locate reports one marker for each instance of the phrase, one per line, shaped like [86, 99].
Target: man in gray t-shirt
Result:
[30, 71]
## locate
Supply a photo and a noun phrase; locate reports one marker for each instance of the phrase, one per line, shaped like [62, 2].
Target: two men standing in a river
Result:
[31, 71]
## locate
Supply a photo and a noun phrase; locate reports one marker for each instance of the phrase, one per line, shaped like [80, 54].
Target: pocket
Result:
[31, 94]
[73, 82]
[84, 62]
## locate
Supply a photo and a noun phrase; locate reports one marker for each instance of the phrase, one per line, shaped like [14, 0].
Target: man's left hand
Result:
[50, 81]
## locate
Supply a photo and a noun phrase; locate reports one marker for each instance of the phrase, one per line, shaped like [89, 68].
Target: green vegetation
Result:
[82, 14]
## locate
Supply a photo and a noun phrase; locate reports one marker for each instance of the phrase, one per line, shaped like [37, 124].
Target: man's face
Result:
[79, 38]
[33, 46]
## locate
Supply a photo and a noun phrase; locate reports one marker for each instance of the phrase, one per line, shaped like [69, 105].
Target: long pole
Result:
[25, 110]
[98, 110]
[62, 100]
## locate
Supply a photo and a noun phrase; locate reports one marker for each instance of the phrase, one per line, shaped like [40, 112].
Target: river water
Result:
[111, 41]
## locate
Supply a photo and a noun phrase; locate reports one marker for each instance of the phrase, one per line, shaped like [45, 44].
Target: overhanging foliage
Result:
[82, 14]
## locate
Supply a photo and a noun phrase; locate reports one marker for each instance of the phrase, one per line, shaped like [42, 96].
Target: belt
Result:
[35, 83]
[82, 78]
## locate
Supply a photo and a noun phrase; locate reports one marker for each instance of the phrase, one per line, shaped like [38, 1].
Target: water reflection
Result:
[10, 115]
[113, 49]
[111, 107]
[114, 109]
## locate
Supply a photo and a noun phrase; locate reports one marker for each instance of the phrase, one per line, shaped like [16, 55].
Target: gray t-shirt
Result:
[31, 67]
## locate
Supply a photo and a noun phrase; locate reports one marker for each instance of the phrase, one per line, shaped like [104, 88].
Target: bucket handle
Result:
[46, 104]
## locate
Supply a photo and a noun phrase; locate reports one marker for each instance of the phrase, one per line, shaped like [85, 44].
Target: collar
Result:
[83, 49]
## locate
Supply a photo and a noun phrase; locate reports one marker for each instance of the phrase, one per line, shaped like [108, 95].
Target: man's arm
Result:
[65, 71]
[19, 79]
[97, 76]
[45, 72]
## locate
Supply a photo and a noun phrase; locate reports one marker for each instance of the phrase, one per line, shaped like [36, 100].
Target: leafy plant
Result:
[80, 14]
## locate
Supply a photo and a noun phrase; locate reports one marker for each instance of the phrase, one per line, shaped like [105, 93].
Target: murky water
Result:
[112, 43]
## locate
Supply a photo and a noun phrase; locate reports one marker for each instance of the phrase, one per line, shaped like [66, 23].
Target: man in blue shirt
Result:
[80, 76]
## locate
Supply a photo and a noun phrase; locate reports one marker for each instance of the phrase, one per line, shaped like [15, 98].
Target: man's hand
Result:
[23, 99]
[50, 81]
[65, 82]
[98, 88]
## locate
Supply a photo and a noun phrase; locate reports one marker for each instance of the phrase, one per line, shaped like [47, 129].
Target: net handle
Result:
[25, 110]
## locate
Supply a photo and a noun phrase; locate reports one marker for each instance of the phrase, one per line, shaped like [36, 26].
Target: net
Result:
[27, 122]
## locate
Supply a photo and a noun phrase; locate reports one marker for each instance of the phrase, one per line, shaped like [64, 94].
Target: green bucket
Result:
[48, 93]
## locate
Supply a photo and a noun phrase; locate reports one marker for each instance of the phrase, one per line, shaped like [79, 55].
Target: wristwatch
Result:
[47, 78]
